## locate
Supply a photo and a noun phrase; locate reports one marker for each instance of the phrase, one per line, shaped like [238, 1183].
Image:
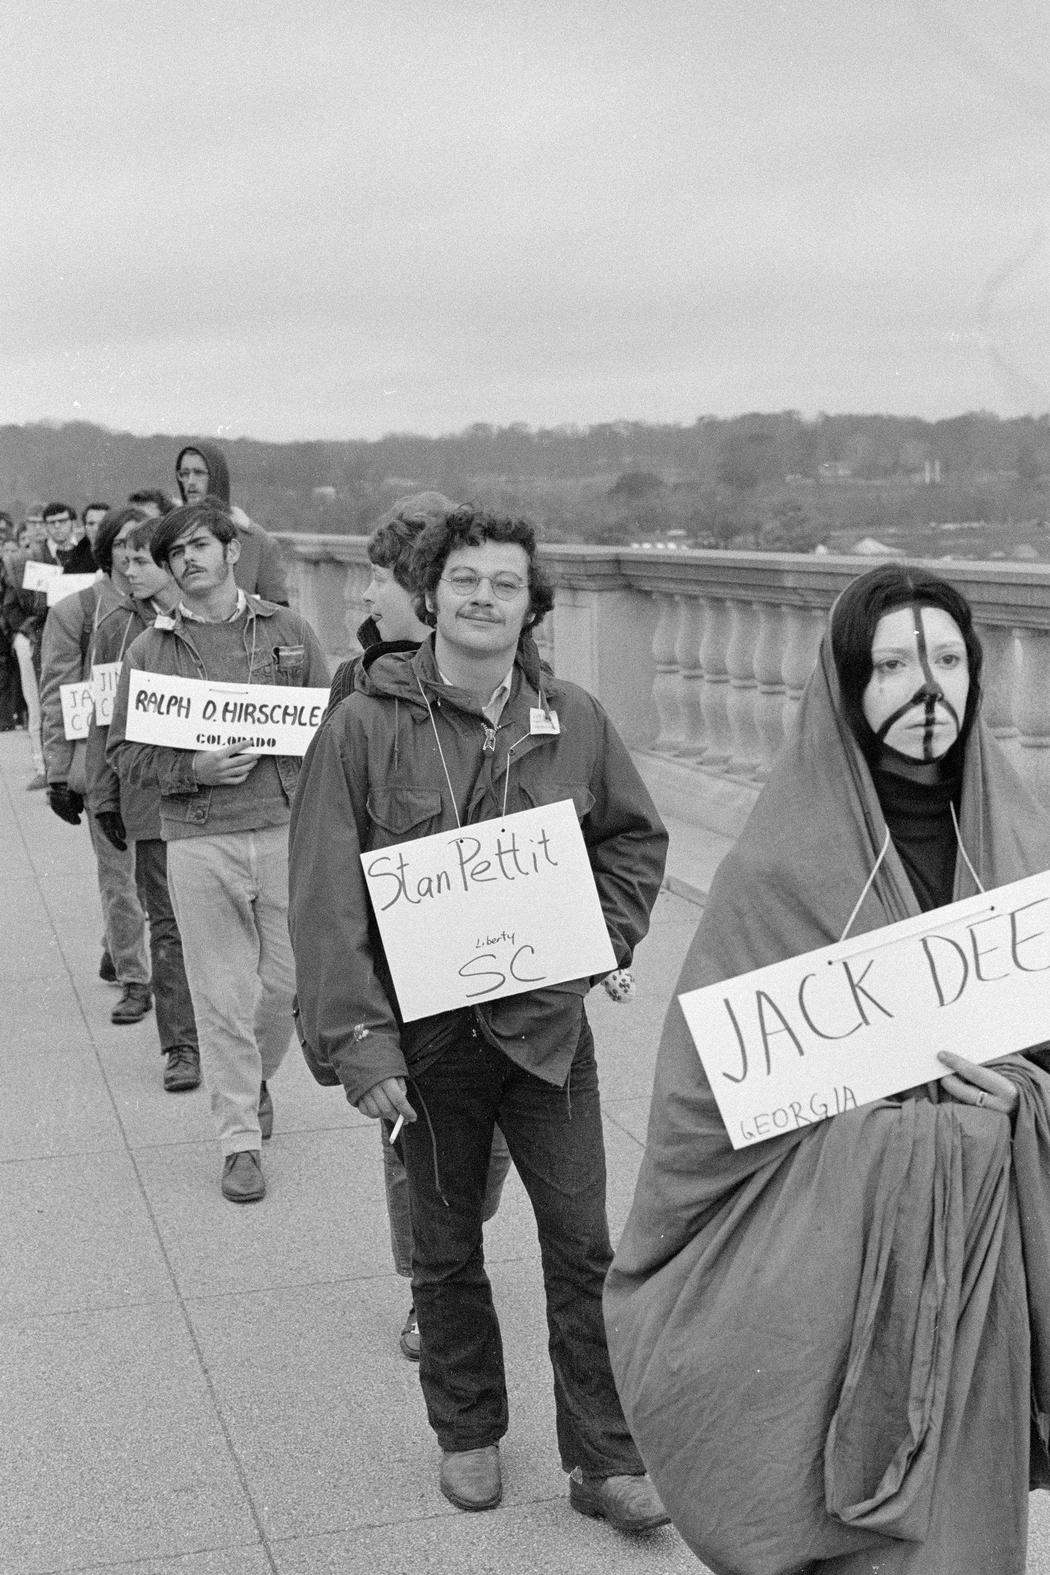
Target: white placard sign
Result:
[104, 677]
[194, 713]
[819, 1034]
[77, 706]
[38, 576]
[64, 585]
[488, 910]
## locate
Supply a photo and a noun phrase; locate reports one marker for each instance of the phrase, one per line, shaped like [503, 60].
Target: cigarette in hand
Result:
[396, 1128]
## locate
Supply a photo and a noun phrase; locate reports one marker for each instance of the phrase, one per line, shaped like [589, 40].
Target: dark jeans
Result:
[555, 1139]
[171, 993]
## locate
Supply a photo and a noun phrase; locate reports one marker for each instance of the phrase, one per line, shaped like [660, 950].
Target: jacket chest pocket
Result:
[288, 668]
[402, 814]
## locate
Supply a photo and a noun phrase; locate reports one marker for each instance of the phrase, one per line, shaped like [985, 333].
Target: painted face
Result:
[390, 605]
[193, 473]
[200, 563]
[145, 578]
[916, 696]
[477, 622]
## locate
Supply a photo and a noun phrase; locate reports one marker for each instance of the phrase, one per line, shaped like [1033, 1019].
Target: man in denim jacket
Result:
[224, 816]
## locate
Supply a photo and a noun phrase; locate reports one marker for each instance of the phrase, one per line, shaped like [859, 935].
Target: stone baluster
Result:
[714, 641]
[667, 698]
[804, 629]
[999, 680]
[1032, 709]
[745, 744]
[769, 701]
[690, 677]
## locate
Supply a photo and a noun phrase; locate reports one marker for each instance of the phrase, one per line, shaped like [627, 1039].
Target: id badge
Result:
[541, 721]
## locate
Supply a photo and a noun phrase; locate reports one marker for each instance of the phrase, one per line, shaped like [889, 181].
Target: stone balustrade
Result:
[701, 657]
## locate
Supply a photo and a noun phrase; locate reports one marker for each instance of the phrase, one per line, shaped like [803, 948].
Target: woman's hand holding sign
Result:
[972, 1084]
[223, 767]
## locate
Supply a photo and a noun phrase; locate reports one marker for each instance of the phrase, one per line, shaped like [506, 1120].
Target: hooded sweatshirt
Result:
[260, 568]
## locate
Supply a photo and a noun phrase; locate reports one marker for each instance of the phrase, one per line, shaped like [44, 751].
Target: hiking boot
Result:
[183, 1070]
[106, 971]
[265, 1111]
[409, 1341]
[628, 1503]
[470, 1478]
[242, 1177]
[133, 1005]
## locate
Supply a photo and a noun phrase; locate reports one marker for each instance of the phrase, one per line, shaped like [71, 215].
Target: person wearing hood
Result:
[201, 471]
[833, 1346]
[468, 728]
[67, 657]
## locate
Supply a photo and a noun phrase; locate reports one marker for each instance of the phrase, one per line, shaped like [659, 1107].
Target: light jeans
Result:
[122, 915]
[230, 895]
[23, 649]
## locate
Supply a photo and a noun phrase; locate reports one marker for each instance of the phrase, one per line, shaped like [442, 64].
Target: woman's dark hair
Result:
[855, 617]
[470, 527]
[109, 529]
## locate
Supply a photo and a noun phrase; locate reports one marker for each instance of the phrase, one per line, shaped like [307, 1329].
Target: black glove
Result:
[66, 802]
[112, 824]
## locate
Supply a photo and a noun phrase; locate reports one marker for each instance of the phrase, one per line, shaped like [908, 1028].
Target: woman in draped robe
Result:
[832, 1346]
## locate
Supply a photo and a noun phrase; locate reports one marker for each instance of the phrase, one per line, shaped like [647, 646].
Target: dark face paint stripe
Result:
[927, 696]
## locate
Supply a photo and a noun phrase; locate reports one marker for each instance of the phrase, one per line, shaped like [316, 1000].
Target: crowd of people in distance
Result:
[826, 1353]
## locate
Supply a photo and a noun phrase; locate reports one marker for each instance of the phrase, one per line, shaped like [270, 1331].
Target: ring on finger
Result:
[981, 1097]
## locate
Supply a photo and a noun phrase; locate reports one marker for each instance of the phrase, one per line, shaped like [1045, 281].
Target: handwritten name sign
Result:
[104, 676]
[488, 910]
[77, 705]
[819, 1034]
[193, 713]
[63, 585]
[38, 576]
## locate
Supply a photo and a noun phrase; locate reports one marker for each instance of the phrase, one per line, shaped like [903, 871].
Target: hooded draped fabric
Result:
[833, 1347]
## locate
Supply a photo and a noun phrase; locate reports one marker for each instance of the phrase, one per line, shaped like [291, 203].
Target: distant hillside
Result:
[773, 480]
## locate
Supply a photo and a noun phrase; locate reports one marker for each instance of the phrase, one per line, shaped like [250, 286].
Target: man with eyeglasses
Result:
[469, 728]
[202, 472]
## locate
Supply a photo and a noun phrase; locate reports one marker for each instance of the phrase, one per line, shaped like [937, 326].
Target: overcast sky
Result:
[339, 218]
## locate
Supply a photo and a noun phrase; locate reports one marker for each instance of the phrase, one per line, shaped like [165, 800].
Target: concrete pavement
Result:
[192, 1388]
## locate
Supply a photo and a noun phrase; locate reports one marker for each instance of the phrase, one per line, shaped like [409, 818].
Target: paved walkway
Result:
[191, 1388]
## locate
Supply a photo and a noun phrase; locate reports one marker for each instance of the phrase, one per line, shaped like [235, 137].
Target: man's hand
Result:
[223, 767]
[971, 1084]
[386, 1101]
[66, 802]
[111, 823]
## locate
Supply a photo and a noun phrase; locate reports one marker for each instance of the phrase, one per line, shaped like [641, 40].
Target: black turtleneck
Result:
[916, 799]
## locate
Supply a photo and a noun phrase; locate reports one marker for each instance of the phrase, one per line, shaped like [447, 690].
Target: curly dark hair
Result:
[855, 617]
[467, 526]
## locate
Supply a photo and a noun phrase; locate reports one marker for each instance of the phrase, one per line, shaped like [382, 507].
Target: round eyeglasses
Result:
[466, 581]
